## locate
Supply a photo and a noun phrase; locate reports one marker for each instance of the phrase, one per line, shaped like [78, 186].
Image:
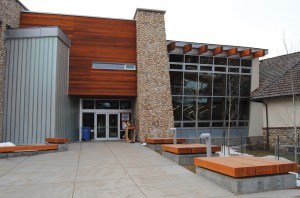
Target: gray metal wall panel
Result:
[28, 119]
[36, 100]
[67, 108]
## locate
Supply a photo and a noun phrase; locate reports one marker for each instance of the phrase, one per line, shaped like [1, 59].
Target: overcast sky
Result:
[250, 23]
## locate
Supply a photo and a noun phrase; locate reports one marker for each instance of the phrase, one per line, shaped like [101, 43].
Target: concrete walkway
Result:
[107, 169]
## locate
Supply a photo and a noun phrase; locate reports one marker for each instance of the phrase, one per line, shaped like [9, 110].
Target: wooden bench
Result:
[242, 166]
[242, 174]
[164, 140]
[19, 148]
[183, 149]
[57, 140]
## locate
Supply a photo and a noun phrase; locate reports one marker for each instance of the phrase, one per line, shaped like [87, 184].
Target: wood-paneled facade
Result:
[95, 40]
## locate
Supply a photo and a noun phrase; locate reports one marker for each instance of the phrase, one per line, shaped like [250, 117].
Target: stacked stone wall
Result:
[286, 136]
[9, 18]
[153, 107]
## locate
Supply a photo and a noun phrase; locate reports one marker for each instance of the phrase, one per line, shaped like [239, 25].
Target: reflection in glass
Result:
[204, 108]
[177, 108]
[191, 67]
[125, 104]
[205, 68]
[101, 125]
[189, 108]
[174, 66]
[219, 84]
[107, 104]
[205, 84]
[245, 85]
[113, 125]
[232, 105]
[190, 83]
[233, 85]
[246, 63]
[206, 60]
[234, 62]
[220, 61]
[244, 109]
[191, 59]
[175, 58]
[218, 108]
[176, 82]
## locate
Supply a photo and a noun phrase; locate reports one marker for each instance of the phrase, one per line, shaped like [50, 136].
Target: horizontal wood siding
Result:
[94, 39]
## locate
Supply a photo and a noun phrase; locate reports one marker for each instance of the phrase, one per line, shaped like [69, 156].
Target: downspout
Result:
[267, 119]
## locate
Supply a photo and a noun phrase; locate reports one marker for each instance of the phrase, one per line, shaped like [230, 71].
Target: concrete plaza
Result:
[107, 169]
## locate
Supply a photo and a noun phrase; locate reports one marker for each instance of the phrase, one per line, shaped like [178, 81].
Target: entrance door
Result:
[107, 127]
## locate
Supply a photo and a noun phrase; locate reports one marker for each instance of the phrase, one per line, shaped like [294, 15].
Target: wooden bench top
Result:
[242, 166]
[38, 147]
[181, 149]
[164, 140]
[57, 140]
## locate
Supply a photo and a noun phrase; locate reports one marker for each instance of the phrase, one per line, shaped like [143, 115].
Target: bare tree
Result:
[232, 101]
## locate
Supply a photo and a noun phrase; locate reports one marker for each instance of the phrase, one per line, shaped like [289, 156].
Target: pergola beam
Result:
[218, 50]
[259, 53]
[232, 51]
[246, 52]
[202, 49]
[171, 46]
[187, 48]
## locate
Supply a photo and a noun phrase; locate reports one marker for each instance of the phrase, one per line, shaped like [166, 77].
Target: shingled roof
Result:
[276, 76]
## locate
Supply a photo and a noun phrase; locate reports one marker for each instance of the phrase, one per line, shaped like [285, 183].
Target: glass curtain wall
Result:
[203, 90]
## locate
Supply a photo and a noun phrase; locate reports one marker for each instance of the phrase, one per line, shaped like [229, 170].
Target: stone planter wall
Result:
[286, 136]
[153, 107]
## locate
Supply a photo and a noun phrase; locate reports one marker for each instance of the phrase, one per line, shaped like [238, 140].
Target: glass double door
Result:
[107, 126]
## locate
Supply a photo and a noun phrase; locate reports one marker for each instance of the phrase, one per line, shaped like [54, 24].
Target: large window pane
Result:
[177, 108]
[234, 62]
[245, 85]
[204, 108]
[218, 108]
[220, 61]
[176, 83]
[125, 104]
[232, 108]
[191, 59]
[206, 60]
[244, 109]
[189, 108]
[107, 104]
[219, 84]
[233, 85]
[190, 83]
[246, 63]
[175, 58]
[205, 84]
[88, 104]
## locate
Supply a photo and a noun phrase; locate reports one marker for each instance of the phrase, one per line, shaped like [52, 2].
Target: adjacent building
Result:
[279, 86]
[65, 72]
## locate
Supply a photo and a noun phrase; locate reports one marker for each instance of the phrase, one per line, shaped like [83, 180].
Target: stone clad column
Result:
[154, 111]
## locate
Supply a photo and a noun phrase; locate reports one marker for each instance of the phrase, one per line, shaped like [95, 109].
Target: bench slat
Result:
[188, 148]
[57, 140]
[241, 166]
[41, 147]
[284, 167]
[261, 168]
[232, 169]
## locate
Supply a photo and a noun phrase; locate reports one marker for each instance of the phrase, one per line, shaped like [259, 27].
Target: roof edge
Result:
[148, 10]
[21, 4]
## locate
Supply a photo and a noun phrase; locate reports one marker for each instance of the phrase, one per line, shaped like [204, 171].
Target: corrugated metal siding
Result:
[36, 101]
[67, 108]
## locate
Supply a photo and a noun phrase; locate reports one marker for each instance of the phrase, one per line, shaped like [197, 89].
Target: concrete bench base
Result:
[155, 147]
[184, 160]
[250, 184]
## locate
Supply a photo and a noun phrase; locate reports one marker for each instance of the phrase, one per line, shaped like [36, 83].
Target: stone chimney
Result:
[153, 108]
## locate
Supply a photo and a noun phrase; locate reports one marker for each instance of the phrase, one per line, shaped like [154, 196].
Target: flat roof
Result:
[35, 32]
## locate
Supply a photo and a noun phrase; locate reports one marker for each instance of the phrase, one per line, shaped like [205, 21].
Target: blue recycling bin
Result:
[86, 131]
